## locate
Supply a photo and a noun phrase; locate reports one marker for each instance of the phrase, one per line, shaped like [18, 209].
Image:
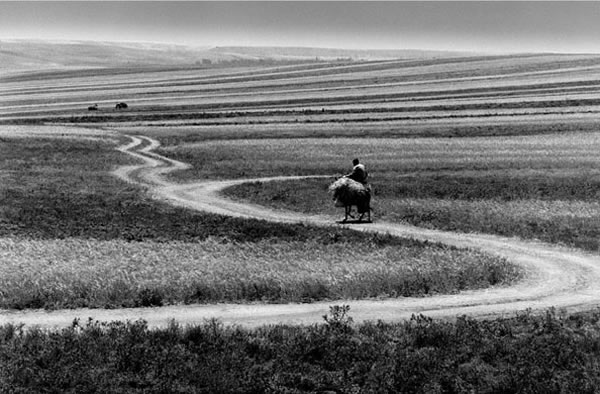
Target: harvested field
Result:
[395, 95]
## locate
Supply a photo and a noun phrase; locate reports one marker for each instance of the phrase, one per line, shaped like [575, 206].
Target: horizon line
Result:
[340, 48]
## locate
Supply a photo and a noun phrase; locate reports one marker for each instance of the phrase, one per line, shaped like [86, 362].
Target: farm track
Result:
[555, 276]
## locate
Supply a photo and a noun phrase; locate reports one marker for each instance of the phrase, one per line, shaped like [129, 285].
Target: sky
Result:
[486, 26]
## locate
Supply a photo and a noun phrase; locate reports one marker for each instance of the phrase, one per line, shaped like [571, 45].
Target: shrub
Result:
[548, 353]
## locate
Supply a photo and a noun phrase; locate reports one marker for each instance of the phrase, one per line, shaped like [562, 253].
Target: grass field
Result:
[543, 187]
[107, 274]
[74, 236]
[312, 118]
[498, 144]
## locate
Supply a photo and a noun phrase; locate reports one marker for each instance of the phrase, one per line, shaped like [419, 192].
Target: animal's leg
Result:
[345, 214]
[349, 209]
[362, 215]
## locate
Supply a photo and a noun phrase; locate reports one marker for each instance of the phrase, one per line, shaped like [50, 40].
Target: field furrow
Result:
[445, 88]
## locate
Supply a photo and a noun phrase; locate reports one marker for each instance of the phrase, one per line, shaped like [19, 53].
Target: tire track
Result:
[556, 276]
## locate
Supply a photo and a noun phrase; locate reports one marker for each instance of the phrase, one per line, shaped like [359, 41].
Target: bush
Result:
[549, 353]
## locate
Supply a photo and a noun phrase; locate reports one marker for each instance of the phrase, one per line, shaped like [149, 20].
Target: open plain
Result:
[207, 198]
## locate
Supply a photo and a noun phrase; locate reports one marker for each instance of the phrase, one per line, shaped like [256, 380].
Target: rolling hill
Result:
[28, 55]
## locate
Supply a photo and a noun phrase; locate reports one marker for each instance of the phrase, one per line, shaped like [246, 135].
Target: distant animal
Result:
[121, 106]
[93, 107]
[348, 193]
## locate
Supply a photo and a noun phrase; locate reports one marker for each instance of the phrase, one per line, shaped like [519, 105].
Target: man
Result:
[359, 174]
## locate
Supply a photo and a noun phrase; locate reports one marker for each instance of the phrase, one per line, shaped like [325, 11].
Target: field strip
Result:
[215, 75]
[497, 77]
[407, 67]
[555, 276]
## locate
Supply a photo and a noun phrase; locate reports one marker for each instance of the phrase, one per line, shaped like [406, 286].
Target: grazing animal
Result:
[347, 193]
[93, 107]
[121, 106]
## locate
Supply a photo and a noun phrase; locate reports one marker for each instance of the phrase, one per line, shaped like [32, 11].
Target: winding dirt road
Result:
[555, 276]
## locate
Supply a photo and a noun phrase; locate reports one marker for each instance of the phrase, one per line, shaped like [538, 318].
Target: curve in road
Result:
[555, 276]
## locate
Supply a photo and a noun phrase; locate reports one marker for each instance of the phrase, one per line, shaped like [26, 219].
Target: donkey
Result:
[347, 192]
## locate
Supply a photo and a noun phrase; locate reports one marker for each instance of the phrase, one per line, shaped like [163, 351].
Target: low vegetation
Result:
[572, 220]
[542, 187]
[175, 134]
[106, 274]
[57, 189]
[72, 235]
[75, 236]
[551, 353]
[514, 156]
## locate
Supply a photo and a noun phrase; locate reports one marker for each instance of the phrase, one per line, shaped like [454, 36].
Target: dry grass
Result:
[77, 273]
[60, 132]
[542, 186]
[57, 189]
[539, 155]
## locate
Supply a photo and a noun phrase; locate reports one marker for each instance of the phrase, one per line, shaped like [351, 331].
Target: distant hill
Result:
[25, 55]
[28, 55]
[289, 53]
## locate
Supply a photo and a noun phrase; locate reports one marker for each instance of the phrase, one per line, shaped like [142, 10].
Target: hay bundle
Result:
[347, 192]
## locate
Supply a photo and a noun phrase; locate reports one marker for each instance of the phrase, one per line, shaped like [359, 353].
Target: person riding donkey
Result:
[360, 175]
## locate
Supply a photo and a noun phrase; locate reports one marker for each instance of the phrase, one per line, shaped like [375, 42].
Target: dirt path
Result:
[556, 276]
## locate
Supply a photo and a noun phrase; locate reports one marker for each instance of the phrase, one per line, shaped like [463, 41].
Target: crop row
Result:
[162, 75]
[322, 88]
[285, 86]
[484, 82]
[429, 94]
[87, 78]
[347, 106]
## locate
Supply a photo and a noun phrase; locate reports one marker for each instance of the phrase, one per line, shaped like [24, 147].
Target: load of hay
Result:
[347, 192]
